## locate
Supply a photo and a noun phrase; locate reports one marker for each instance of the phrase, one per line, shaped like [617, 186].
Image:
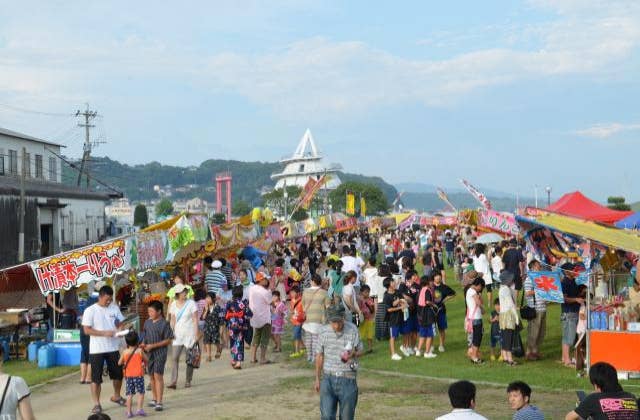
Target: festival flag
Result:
[443, 197]
[351, 203]
[308, 198]
[306, 190]
[363, 207]
[477, 194]
[547, 285]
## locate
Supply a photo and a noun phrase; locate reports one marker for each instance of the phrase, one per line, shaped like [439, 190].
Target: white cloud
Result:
[606, 130]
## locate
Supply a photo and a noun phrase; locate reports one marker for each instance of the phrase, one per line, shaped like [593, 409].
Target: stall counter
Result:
[619, 348]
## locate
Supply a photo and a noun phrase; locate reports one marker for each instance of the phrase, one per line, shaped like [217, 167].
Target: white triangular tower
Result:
[306, 142]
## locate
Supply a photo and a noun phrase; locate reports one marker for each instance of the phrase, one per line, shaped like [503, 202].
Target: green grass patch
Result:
[32, 374]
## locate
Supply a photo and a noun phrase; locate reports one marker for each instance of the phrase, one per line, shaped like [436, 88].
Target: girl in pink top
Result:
[278, 314]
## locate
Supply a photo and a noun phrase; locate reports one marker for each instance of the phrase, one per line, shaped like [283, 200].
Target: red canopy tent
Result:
[577, 205]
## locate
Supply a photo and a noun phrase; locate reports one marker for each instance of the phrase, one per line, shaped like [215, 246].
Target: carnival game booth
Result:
[607, 257]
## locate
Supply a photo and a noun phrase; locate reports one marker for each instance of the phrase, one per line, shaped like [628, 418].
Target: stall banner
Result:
[406, 223]
[225, 235]
[583, 278]
[150, 249]
[80, 266]
[180, 234]
[547, 285]
[498, 221]
[346, 224]
[199, 226]
[247, 234]
[438, 221]
[482, 199]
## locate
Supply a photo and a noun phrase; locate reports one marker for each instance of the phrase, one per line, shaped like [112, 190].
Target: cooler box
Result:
[67, 354]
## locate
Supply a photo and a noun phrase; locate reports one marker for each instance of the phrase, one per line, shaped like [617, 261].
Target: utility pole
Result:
[23, 174]
[88, 115]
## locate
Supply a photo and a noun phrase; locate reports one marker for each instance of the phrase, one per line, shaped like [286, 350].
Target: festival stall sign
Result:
[498, 221]
[149, 250]
[406, 223]
[547, 285]
[438, 221]
[180, 234]
[225, 235]
[79, 266]
[199, 226]
[246, 234]
[343, 225]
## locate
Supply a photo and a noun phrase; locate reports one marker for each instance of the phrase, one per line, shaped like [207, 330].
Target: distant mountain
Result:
[418, 187]
[249, 178]
[432, 203]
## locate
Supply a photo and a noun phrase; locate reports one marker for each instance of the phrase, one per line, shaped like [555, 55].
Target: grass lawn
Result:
[32, 374]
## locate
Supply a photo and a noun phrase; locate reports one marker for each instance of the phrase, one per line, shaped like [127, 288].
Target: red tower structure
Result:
[223, 178]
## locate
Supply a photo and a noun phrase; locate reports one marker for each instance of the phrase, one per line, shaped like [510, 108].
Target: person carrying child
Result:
[368, 308]
[133, 359]
[157, 339]
[212, 316]
[297, 319]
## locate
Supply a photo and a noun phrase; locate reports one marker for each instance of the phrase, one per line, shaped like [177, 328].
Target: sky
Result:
[507, 94]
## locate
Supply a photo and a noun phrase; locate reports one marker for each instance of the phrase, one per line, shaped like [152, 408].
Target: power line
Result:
[31, 111]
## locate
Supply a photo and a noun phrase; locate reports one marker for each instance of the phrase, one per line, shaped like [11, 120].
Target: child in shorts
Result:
[133, 360]
[297, 315]
[368, 307]
[157, 339]
[496, 337]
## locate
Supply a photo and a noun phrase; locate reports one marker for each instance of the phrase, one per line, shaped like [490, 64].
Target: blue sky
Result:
[506, 94]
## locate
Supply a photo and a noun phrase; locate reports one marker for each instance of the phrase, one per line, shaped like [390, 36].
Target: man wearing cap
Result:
[260, 304]
[215, 279]
[569, 311]
[339, 347]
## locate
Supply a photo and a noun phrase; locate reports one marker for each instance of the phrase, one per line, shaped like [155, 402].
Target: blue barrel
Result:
[46, 356]
[5, 347]
[68, 354]
[32, 349]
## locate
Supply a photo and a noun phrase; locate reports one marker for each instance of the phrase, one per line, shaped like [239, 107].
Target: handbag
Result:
[193, 356]
[517, 349]
[526, 311]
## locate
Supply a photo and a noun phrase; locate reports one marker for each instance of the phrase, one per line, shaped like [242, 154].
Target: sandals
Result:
[120, 401]
[237, 367]
[172, 386]
[97, 409]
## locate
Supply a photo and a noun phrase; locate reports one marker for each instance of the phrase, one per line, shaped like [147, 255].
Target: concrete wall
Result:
[33, 148]
[9, 229]
[78, 217]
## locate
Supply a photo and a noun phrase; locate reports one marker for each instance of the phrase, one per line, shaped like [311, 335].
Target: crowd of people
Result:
[339, 293]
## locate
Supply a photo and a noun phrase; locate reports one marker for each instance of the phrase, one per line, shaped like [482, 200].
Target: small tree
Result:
[219, 218]
[164, 208]
[141, 216]
[240, 208]
[618, 203]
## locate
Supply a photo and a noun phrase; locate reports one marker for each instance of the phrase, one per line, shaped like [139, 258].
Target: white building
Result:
[305, 162]
[57, 216]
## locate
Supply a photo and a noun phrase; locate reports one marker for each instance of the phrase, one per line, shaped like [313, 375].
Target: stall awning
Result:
[589, 230]
[575, 204]
[631, 222]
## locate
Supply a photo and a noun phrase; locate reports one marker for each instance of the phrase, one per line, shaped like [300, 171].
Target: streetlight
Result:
[548, 190]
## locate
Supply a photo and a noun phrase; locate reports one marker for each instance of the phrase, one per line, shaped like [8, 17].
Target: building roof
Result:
[10, 185]
[15, 134]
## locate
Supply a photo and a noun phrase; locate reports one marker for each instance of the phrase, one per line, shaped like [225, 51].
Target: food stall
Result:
[608, 256]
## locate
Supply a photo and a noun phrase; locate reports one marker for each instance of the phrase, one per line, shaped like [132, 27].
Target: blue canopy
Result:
[629, 222]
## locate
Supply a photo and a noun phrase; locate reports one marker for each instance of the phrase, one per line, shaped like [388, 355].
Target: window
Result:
[301, 169]
[39, 166]
[27, 165]
[13, 162]
[53, 169]
[1, 161]
[87, 232]
[62, 235]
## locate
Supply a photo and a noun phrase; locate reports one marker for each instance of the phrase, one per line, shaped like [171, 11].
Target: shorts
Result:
[507, 339]
[97, 364]
[426, 332]
[134, 385]
[297, 332]
[156, 364]
[366, 329]
[476, 335]
[442, 321]
[84, 352]
[518, 283]
[569, 325]
[261, 336]
[496, 340]
[410, 325]
[394, 332]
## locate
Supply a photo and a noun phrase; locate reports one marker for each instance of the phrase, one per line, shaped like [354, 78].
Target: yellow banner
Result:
[351, 204]
[363, 207]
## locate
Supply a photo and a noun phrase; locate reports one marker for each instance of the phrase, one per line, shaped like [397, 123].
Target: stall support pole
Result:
[587, 337]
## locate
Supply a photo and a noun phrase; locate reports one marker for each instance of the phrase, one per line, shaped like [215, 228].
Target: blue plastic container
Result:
[46, 356]
[6, 348]
[32, 349]
[67, 354]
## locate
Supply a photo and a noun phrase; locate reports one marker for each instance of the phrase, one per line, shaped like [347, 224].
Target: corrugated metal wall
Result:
[9, 226]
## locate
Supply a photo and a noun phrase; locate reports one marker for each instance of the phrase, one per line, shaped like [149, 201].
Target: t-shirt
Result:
[570, 289]
[449, 244]
[472, 306]
[462, 414]
[133, 363]
[609, 406]
[413, 290]
[349, 297]
[216, 282]
[102, 318]
[155, 332]
[352, 263]
[481, 265]
[393, 318]
[407, 253]
[184, 329]
[441, 293]
[512, 258]
[17, 390]
[530, 412]
[332, 344]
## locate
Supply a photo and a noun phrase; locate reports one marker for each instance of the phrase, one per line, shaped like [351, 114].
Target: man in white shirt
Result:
[462, 395]
[260, 304]
[352, 263]
[101, 321]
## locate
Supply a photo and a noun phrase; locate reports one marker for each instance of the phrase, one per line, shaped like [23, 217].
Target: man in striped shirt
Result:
[215, 280]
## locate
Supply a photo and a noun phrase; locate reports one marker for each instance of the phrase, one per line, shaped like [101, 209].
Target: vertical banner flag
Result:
[547, 285]
[477, 194]
[306, 191]
[363, 207]
[351, 204]
[443, 196]
[308, 198]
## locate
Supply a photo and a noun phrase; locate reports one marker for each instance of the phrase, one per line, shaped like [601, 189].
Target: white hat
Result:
[179, 288]
[216, 264]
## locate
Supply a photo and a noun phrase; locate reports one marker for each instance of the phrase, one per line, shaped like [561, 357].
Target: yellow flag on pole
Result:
[363, 207]
[351, 204]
